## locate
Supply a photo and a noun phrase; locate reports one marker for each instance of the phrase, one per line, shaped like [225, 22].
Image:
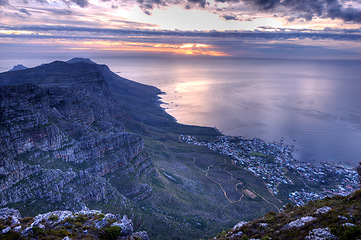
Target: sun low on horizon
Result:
[230, 28]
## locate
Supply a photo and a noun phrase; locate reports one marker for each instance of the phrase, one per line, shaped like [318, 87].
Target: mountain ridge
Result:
[76, 136]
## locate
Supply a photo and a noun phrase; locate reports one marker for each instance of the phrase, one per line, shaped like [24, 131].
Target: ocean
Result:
[313, 105]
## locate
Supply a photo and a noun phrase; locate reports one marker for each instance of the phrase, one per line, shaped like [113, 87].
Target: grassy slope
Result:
[185, 203]
[185, 198]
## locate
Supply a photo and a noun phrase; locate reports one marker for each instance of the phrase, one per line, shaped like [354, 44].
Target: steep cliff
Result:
[61, 132]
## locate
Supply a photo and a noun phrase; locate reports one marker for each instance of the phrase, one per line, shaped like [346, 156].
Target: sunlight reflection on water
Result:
[317, 104]
[314, 105]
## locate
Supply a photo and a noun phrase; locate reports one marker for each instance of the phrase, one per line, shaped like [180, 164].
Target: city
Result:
[275, 164]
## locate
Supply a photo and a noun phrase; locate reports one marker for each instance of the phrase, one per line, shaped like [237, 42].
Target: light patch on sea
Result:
[314, 105]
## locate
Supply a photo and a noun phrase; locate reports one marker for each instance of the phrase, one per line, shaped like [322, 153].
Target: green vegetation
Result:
[54, 217]
[343, 220]
[111, 233]
[11, 236]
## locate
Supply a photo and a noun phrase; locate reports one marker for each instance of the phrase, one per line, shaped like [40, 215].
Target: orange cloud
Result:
[196, 49]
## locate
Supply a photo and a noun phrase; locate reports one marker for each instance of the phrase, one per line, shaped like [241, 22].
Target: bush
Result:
[352, 232]
[112, 232]
[347, 232]
[38, 232]
[69, 220]
[244, 237]
[54, 217]
[81, 218]
[26, 220]
[11, 235]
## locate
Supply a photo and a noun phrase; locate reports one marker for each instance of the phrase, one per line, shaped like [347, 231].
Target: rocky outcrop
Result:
[61, 134]
[66, 224]
[299, 222]
[320, 234]
[329, 218]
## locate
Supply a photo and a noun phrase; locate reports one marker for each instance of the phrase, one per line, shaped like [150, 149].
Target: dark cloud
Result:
[348, 14]
[120, 34]
[81, 3]
[60, 11]
[23, 10]
[267, 4]
[4, 3]
[42, 1]
[133, 24]
[201, 3]
[293, 9]
[115, 6]
[229, 1]
[308, 9]
[147, 5]
[229, 17]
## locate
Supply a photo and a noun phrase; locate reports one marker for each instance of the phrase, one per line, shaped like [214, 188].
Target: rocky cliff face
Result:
[61, 132]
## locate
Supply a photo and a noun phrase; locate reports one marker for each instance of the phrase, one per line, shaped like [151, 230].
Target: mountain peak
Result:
[82, 60]
[18, 67]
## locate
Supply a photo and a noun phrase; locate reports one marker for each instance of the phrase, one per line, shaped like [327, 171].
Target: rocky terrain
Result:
[66, 225]
[330, 218]
[75, 136]
[61, 136]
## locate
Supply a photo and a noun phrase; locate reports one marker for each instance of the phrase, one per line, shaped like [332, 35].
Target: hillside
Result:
[330, 218]
[74, 135]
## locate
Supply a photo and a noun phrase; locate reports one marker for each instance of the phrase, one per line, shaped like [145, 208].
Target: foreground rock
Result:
[89, 224]
[333, 218]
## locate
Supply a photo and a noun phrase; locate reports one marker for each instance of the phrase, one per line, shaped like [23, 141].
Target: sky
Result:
[302, 29]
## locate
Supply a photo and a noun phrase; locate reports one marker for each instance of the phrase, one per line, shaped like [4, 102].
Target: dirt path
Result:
[219, 184]
[279, 211]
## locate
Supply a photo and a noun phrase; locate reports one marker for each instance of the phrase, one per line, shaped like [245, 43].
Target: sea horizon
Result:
[311, 104]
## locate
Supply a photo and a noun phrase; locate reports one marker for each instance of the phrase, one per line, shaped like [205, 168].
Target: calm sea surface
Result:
[314, 105]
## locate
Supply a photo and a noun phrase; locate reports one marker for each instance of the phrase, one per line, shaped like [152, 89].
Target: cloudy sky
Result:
[326, 29]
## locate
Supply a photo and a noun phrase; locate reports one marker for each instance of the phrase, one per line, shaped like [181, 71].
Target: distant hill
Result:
[18, 67]
[78, 60]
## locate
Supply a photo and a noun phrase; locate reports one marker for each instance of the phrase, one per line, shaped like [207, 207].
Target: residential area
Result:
[275, 164]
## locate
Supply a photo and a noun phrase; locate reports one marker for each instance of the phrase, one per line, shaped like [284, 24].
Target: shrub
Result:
[81, 218]
[69, 220]
[38, 232]
[99, 216]
[12, 235]
[64, 232]
[54, 217]
[111, 221]
[352, 232]
[26, 220]
[244, 237]
[112, 232]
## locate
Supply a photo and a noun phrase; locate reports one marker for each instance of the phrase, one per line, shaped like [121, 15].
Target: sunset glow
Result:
[210, 28]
